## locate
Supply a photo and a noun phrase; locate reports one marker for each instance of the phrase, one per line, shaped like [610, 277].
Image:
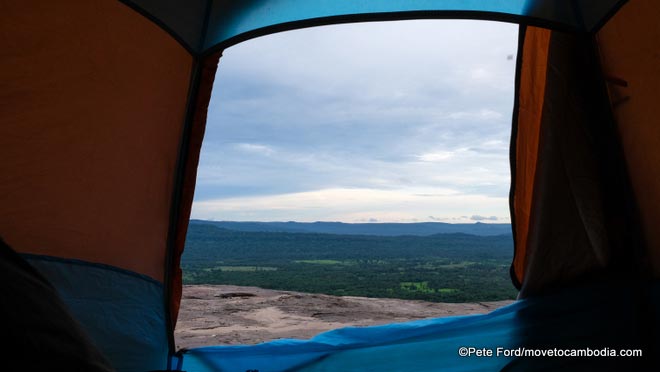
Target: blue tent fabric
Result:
[202, 26]
[231, 19]
[580, 318]
[121, 311]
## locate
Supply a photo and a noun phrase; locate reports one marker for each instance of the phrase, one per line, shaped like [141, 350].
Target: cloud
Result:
[436, 156]
[484, 114]
[477, 217]
[480, 73]
[255, 148]
[349, 205]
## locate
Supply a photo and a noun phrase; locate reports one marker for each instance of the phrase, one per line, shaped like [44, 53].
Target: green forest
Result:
[452, 267]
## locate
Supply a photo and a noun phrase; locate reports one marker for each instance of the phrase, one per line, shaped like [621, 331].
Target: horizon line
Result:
[358, 222]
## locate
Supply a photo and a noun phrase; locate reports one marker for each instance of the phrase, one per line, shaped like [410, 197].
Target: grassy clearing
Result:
[445, 265]
[240, 268]
[423, 287]
[418, 287]
[324, 262]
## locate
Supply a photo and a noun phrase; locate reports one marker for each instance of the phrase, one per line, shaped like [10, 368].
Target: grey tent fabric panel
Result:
[121, 311]
[183, 19]
[40, 332]
[594, 13]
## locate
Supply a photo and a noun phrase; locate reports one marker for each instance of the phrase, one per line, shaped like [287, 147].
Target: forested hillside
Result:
[440, 267]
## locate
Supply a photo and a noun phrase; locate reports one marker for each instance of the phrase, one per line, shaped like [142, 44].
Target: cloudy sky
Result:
[390, 122]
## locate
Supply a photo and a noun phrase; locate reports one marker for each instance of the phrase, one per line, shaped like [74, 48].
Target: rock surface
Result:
[233, 315]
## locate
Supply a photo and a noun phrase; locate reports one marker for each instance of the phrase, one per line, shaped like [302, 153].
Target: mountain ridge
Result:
[375, 228]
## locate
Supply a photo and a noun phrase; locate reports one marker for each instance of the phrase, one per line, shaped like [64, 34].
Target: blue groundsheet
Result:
[597, 319]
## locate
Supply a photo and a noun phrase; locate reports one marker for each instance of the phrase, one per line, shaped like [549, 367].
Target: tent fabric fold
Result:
[193, 144]
[577, 163]
[533, 60]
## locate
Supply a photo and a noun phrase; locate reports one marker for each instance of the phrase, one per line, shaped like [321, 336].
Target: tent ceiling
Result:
[205, 25]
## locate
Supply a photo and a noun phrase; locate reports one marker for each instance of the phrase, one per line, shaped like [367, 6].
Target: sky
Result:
[373, 122]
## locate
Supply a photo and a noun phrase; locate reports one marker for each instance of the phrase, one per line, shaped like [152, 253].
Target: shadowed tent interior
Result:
[102, 111]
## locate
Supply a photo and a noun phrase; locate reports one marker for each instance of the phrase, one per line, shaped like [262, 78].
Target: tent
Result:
[102, 113]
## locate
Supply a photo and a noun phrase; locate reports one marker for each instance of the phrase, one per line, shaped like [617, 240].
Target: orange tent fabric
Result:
[630, 53]
[533, 61]
[93, 103]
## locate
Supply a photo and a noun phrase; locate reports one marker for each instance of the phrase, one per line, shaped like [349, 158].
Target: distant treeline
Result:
[376, 228]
